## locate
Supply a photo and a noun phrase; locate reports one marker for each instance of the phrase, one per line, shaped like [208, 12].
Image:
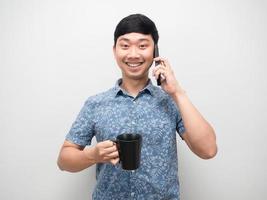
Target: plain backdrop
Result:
[54, 54]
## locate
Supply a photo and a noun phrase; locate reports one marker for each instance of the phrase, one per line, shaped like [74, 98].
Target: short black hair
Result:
[137, 23]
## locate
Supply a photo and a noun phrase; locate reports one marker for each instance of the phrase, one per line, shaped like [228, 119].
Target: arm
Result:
[199, 135]
[75, 158]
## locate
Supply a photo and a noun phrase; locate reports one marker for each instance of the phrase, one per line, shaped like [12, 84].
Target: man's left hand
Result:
[168, 81]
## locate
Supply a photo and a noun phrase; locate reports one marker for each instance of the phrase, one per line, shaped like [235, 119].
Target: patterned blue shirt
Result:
[154, 115]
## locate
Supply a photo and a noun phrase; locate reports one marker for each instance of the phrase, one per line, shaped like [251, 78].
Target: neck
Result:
[133, 87]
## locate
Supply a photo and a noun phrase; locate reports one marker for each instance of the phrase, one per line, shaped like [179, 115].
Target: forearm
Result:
[200, 135]
[75, 160]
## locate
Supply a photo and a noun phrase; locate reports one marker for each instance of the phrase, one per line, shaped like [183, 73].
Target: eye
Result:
[143, 46]
[124, 46]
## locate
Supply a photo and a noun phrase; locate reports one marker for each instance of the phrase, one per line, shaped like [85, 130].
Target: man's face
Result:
[134, 55]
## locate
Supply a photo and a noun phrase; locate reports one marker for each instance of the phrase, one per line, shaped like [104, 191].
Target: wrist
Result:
[90, 155]
[179, 93]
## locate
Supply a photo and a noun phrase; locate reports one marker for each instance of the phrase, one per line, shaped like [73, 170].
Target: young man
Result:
[134, 105]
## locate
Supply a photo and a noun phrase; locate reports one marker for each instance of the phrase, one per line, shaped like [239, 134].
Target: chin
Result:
[138, 77]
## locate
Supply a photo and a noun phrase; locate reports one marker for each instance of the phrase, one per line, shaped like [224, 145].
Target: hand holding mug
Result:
[106, 151]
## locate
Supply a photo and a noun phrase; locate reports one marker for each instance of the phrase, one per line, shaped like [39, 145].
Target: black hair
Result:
[137, 23]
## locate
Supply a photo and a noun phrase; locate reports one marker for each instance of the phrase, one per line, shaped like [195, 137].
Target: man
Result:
[135, 105]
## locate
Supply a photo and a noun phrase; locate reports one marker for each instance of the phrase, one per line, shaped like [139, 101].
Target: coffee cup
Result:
[129, 147]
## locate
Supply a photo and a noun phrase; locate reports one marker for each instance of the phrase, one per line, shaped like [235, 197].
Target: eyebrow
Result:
[128, 40]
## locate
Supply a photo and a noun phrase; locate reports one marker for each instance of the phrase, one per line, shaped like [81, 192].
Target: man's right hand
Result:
[106, 151]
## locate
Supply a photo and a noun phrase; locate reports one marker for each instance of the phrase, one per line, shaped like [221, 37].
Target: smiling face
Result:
[134, 55]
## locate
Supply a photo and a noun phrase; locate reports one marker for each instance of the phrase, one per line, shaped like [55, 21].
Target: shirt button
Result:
[132, 194]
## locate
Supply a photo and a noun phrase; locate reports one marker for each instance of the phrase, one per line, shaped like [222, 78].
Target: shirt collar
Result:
[118, 90]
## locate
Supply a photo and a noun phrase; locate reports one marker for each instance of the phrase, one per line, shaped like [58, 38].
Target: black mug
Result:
[129, 147]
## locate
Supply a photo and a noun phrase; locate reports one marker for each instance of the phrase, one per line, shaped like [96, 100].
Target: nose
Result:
[133, 53]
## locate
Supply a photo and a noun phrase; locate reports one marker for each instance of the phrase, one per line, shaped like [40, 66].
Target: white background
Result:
[54, 54]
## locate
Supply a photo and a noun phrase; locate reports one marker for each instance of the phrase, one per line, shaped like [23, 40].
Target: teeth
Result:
[133, 64]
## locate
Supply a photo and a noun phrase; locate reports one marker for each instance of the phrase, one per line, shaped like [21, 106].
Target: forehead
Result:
[135, 37]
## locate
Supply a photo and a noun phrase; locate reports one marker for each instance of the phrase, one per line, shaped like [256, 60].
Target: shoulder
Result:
[164, 99]
[100, 98]
[161, 95]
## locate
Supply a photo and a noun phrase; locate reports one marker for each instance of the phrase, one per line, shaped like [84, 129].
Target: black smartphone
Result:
[156, 54]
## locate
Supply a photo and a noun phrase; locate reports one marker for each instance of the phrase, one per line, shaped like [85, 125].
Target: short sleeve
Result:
[179, 121]
[178, 118]
[180, 125]
[82, 129]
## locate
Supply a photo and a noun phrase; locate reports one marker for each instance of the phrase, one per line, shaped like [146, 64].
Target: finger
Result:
[162, 78]
[163, 62]
[158, 72]
[114, 161]
[166, 63]
[157, 68]
[113, 155]
[110, 149]
[106, 143]
[159, 59]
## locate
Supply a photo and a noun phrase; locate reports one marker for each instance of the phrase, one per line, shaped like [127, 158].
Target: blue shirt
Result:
[154, 115]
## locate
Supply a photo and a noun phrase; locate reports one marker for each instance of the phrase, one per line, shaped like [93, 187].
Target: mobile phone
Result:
[156, 54]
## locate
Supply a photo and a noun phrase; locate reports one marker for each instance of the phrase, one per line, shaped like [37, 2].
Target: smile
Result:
[134, 64]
